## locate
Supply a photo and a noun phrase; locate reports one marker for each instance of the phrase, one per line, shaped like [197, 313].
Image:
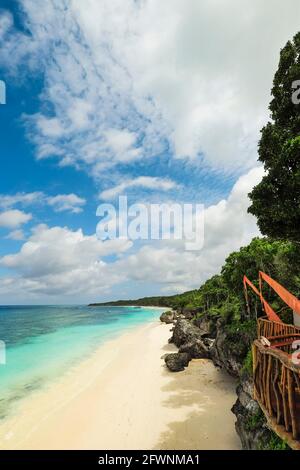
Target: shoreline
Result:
[123, 397]
[132, 306]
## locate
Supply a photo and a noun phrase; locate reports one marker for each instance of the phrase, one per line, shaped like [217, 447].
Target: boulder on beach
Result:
[167, 317]
[176, 362]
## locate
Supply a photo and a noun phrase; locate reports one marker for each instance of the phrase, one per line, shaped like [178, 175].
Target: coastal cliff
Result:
[210, 338]
[215, 322]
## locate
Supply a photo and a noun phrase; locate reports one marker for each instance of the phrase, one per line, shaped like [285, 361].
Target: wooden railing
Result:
[277, 379]
[269, 328]
[276, 363]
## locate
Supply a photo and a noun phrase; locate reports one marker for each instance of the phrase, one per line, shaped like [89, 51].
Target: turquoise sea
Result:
[43, 342]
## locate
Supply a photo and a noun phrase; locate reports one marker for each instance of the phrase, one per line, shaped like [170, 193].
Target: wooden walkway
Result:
[276, 371]
[276, 361]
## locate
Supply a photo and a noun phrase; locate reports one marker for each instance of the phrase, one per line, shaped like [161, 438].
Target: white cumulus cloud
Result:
[227, 227]
[59, 261]
[14, 218]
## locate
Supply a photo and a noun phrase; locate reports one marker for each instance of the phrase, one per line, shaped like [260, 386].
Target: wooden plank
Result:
[254, 365]
[291, 397]
[284, 400]
[276, 390]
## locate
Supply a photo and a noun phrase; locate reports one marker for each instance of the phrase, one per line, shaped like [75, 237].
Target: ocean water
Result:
[43, 342]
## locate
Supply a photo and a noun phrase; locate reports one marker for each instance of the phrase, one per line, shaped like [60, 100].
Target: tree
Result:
[279, 259]
[276, 199]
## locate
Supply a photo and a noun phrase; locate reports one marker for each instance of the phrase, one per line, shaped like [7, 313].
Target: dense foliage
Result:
[276, 199]
[222, 295]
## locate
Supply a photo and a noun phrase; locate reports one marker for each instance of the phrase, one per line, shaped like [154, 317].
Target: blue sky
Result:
[114, 98]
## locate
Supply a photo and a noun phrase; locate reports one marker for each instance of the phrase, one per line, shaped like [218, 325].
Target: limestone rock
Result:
[197, 349]
[185, 332]
[167, 317]
[229, 350]
[177, 361]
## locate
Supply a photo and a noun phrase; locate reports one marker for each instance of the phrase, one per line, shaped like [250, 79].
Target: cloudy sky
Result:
[159, 101]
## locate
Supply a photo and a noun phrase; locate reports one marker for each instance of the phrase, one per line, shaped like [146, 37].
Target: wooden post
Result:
[254, 359]
[268, 386]
[275, 388]
[285, 405]
[291, 396]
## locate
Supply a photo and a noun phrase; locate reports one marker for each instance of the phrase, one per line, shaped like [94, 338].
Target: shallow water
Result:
[43, 342]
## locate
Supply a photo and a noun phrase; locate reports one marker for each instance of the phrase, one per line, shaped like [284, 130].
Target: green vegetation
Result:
[276, 199]
[274, 443]
[270, 441]
[255, 421]
[248, 364]
[222, 296]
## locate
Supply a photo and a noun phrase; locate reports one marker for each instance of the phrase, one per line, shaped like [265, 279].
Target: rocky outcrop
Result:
[207, 326]
[227, 345]
[188, 314]
[251, 425]
[177, 361]
[168, 317]
[208, 338]
[228, 351]
[191, 341]
[185, 332]
[197, 348]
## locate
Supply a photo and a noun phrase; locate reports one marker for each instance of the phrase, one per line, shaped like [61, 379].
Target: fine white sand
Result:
[123, 397]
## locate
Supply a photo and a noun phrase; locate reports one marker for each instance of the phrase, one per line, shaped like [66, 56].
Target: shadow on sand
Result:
[202, 395]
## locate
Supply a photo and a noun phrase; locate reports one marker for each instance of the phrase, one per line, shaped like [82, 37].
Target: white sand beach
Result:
[123, 397]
